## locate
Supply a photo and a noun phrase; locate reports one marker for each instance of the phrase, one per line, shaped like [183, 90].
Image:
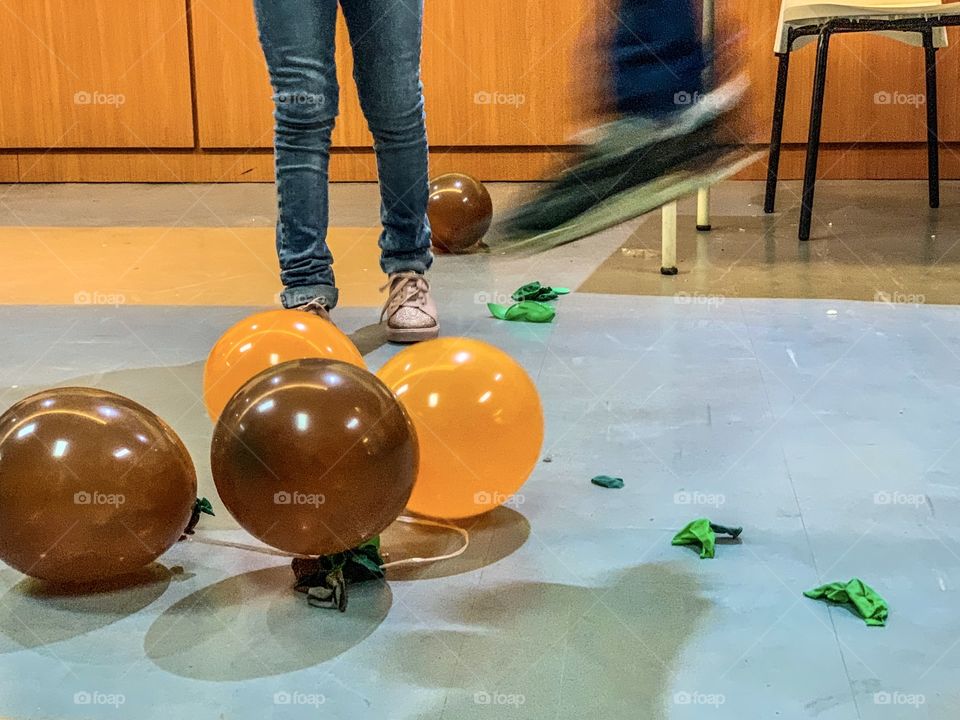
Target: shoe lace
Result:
[314, 305]
[408, 289]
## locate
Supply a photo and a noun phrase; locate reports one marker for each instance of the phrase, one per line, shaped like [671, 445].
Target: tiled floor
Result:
[827, 428]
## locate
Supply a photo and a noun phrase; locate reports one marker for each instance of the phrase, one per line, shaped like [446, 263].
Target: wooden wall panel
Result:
[234, 106]
[233, 91]
[9, 168]
[508, 83]
[502, 71]
[514, 73]
[514, 90]
[257, 165]
[875, 85]
[948, 87]
[95, 73]
[879, 161]
[154, 167]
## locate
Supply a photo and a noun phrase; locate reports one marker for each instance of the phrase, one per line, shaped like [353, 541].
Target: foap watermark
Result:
[887, 497]
[88, 97]
[899, 298]
[694, 697]
[695, 497]
[298, 698]
[697, 298]
[83, 497]
[482, 298]
[899, 98]
[497, 698]
[495, 499]
[495, 97]
[300, 98]
[693, 98]
[897, 697]
[283, 497]
[95, 697]
[98, 297]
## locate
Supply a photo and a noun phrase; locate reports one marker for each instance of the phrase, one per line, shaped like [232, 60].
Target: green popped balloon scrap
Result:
[702, 532]
[526, 311]
[864, 599]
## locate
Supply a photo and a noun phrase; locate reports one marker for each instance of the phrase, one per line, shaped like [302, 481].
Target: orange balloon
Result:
[264, 340]
[478, 420]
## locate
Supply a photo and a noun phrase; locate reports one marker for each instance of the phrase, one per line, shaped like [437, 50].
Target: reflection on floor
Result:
[875, 242]
[826, 427]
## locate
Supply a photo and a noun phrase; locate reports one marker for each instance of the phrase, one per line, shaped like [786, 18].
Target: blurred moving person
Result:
[668, 121]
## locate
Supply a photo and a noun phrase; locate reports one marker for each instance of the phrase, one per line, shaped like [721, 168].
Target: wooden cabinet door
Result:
[507, 72]
[495, 73]
[94, 74]
[234, 105]
[875, 85]
[234, 108]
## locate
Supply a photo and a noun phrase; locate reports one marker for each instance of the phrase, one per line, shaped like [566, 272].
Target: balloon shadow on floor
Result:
[556, 650]
[493, 536]
[255, 625]
[38, 613]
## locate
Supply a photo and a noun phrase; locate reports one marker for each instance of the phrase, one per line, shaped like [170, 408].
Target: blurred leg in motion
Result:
[667, 120]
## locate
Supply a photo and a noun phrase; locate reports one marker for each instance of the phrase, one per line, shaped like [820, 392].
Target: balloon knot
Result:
[201, 507]
[324, 579]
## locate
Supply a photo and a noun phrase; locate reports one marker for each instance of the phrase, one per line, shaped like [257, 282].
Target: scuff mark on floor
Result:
[793, 358]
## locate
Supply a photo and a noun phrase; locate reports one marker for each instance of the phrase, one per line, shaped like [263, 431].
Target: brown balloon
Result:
[92, 485]
[460, 211]
[314, 456]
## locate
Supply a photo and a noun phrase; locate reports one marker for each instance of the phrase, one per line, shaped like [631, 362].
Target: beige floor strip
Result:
[169, 266]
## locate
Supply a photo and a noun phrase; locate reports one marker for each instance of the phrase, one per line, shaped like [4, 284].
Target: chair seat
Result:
[797, 13]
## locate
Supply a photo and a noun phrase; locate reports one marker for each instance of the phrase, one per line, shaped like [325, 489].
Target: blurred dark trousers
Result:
[658, 57]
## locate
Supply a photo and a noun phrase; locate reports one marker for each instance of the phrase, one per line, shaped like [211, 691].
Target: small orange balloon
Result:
[479, 424]
[267, 339]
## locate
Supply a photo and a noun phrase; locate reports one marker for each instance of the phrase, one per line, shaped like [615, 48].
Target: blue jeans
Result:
[658, 58]
[298, 41]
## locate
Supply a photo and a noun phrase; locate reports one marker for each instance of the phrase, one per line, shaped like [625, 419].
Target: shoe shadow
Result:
[369, 337]
[255, 625]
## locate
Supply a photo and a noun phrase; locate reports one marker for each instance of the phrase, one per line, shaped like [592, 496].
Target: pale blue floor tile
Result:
[831, 438]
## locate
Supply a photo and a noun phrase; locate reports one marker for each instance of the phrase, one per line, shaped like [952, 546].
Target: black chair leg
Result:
[933, 135]
[776, 133]
[813, 138]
